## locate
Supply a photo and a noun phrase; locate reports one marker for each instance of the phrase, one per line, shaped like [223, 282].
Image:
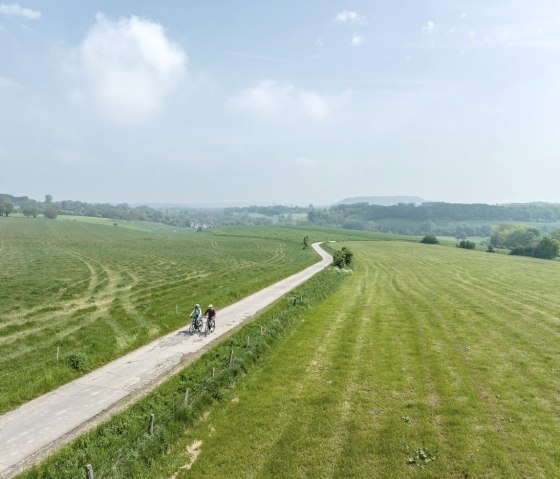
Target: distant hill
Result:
[382, 200]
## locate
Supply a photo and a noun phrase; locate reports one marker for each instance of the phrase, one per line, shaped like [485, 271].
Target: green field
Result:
[96, 291]
[428, 362]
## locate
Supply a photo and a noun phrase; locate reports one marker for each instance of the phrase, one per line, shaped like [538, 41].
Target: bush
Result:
[77, 361]
[342, 257]
[522, 251]
[429, 239]
[466, 244]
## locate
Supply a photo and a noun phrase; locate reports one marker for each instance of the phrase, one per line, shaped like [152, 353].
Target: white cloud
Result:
[350, 17]
[129, 67]
[17, 10]
[274, 100]
[357, 40]
[429, 28]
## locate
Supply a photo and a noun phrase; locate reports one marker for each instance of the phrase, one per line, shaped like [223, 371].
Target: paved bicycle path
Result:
[50, 419]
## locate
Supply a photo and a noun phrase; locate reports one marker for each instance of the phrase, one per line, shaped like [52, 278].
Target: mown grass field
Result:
[98, 290]
[428, 362]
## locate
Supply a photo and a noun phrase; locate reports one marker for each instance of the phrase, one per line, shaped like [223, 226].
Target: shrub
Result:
[342, 257]
[429, 239]
[77, 361]
[466, 244]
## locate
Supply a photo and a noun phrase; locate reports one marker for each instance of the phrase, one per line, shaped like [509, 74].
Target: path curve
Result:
[48, 421]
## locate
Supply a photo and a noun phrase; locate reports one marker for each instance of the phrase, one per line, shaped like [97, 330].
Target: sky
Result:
[280, 102]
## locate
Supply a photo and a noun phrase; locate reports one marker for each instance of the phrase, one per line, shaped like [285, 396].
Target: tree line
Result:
[432, 218]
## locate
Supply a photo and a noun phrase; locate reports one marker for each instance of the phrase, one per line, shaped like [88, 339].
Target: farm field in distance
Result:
[428, 362]
[97, 291]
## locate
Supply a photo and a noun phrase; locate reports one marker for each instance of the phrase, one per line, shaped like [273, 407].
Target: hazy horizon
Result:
[280, 103]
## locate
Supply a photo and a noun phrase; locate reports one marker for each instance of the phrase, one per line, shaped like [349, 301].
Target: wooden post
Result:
[57, 352]
[247, 341]
[89, 471]
[176, 309]
[262, 332]
[186, 399]
[151, 426]
[230, 356]
[213, 372]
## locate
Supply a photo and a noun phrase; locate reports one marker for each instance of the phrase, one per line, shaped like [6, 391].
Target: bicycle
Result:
[196, 326]
[210, 326]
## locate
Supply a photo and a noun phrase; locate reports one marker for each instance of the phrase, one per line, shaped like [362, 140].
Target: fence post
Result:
[247, 341]
[213, 372]
[151, 426]
[57, 352]
[89, 471]
[262, 331]
[186, 399]
[230, 356]
[176, 309]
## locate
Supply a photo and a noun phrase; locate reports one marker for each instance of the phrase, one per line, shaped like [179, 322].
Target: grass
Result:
[121, 447]
[428, 362]
[99, 291]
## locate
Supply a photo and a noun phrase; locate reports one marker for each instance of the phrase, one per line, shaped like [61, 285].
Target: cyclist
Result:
[196, 314]
[211, 315]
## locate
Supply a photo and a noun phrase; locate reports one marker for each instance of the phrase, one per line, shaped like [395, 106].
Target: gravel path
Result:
[33, 430]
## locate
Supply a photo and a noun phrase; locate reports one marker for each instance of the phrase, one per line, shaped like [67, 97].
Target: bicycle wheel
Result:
[192, 329]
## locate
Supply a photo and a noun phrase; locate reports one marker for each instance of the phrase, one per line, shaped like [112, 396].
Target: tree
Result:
[48, 199]
[511, 236]
[51, 212]
[348, 255]
[555, 234]
[429, 239]
[6, 206]
[305, 242]
[342, 257]
[29, 210]
[547, 248]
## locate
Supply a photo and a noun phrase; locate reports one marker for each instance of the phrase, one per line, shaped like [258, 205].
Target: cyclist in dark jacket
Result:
[211, 315]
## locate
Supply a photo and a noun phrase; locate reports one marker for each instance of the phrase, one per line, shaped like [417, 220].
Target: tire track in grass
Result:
[316, 432]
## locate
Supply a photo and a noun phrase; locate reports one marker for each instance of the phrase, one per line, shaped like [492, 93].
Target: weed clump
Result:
[77, 361]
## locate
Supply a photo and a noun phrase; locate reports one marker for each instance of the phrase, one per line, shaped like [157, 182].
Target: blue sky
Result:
[280, 101]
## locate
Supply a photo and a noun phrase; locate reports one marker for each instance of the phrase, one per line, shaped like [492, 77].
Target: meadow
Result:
[426, 362]
[76, 294]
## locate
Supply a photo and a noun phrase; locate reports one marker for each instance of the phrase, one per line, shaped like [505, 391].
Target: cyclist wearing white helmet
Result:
[211, 315]
[196, 313]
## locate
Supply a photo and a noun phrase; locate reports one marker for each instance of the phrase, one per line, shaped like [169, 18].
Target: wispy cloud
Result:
[357, 40]
[258, 57]
[273, 100]
[17, 10]
[129, 67]
[348, 16]
[429, 28]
